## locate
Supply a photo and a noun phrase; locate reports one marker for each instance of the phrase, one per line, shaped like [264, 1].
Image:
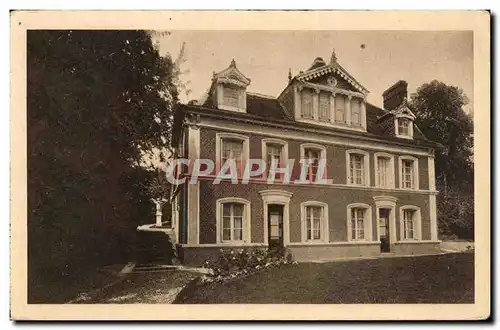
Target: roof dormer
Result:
[403, 121]
[326, 94]
[229, 89]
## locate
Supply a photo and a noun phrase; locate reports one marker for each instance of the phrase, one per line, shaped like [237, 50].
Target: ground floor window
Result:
[232, 220]
[315, 221]
[410, 223]
[359, 222]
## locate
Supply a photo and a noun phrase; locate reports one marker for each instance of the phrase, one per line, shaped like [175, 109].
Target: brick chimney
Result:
[394, 95]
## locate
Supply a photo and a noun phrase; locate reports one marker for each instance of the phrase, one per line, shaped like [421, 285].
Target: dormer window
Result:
[404, 127]
[232, 95]
[403, 121]
[229, 89]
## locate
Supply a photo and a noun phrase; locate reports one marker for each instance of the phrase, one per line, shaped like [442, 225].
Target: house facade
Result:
[362, 182]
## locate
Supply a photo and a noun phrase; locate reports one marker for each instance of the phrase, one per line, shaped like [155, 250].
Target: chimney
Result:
[395, 95]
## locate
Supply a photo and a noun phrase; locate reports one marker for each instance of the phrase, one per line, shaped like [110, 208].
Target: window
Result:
[357, 167]
[277, 150]
[233, 220]
[355, 112]
[274, 154]
[340, 109]
[410, 223]
[408, 172]
[384, 170]
[359, 222]
[307, 103]
[408, 226]
[314, 156]
[232, 96]
[314, 215]
[231, 147]
[403, 126]
[315, 222]
[324, 106]
[232, 150]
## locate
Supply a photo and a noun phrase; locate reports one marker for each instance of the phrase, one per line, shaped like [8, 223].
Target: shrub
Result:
[233, 263]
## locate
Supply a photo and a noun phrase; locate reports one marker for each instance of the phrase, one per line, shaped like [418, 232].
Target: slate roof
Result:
[262, 106]
[270, 110]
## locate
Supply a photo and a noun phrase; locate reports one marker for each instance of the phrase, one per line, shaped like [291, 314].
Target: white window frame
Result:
[368, 223]
[340, 99]
[366, 162]
[417, 223]
[410, 127]
[324, 226]
[320, 148]
[218, 151]
[415, 182]
[329, 108]
[284, 151]
[391, 182]
[246, 220]
[221, 87]
[313, 95]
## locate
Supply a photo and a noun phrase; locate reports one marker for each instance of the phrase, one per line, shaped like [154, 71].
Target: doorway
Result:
[383, 216]
[275, 225]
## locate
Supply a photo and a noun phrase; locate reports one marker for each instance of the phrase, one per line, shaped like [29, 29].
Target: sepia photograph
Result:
[269, 166]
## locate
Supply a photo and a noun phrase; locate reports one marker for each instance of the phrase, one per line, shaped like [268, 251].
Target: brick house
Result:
[380, 193]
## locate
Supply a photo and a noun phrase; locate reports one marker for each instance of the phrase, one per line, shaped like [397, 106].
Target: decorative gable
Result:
[229, 89]
[327, 94]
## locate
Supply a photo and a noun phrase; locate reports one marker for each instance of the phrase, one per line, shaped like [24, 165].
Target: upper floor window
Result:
[315, 222]
[408, 172]
[231, 149]
[324, 106]
[357, 166]
[355, 112]
[314, 154]
[307, 103]
[275, 151]
[340, 109]
[384, 170]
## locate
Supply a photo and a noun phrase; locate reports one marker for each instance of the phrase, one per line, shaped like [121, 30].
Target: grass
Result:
[426, 279]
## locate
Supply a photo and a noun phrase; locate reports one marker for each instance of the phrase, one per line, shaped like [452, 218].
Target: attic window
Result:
[404, 127]
[231, 96]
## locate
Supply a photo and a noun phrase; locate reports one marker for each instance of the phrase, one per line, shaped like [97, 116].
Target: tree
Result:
[96, 101]
[439, 109]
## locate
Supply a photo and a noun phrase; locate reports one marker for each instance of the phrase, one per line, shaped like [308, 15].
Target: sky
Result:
[376, 59]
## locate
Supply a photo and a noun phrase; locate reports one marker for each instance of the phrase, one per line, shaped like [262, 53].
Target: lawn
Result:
[427, 279]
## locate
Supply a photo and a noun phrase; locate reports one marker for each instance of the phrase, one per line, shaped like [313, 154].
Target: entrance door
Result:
[384, 230]
[275, 225]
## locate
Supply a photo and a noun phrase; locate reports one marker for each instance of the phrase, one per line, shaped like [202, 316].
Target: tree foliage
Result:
[96, 101]
[441, 117]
